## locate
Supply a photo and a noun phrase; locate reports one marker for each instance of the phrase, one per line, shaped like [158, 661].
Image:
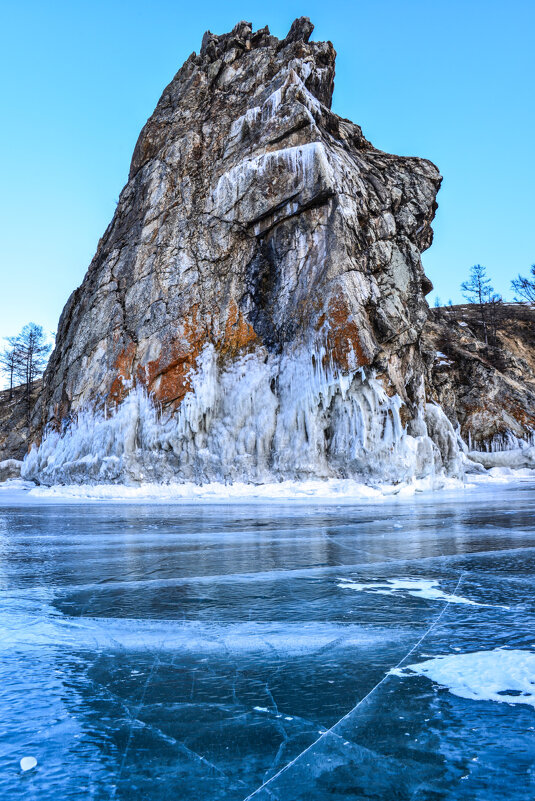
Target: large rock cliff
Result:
[254, 309]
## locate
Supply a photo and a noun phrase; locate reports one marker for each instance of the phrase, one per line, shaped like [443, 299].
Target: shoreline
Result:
[330, 492]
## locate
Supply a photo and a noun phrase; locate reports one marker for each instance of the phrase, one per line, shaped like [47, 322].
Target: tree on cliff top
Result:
[478, 290]
[25, 359]
[34, 350]
[525, 288]
[10, 362]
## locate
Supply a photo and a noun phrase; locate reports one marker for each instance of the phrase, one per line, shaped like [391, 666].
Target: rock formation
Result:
[14, 434]
[254, 309]
[487, 389]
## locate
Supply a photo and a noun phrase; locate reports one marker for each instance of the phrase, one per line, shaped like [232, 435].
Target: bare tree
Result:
[10, 359]
[525, 288]
[33, 352]
[478, 290]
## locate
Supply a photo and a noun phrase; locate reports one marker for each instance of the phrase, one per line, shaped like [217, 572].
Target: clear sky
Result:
[450, 80]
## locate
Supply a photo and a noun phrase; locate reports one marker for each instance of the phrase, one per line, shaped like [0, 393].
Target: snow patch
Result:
[28, 763]
[418, 588]
[506, 676]
[442, 359]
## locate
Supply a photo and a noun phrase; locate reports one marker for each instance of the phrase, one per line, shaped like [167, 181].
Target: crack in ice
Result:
[133, 719]
[387, 675]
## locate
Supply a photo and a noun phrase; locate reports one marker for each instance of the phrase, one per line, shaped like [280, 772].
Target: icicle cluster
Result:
[261, 419]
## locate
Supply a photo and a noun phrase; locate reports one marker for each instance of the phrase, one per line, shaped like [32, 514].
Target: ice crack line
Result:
[133, 718]
[351, 711]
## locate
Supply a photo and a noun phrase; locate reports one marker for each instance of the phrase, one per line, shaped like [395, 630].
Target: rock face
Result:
[254, 309]
[14, 434]
[487, 390]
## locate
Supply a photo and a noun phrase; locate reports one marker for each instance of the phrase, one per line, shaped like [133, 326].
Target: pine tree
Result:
[33, 351]
[495, 308]
[478, 290]
[525, 288]
[10, 360]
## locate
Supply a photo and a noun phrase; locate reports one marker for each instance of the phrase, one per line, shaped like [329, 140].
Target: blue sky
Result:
[450, 81]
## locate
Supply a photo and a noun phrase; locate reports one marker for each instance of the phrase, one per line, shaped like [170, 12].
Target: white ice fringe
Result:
[509, 442]
[262, 419]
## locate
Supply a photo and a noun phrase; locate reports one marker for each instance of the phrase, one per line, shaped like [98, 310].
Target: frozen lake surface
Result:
[270, 651]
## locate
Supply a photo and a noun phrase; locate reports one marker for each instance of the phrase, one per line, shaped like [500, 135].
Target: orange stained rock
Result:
[167, 378]
[123, 364]
[520, 414]
[343, 343]
[238, 335]
[388, 386]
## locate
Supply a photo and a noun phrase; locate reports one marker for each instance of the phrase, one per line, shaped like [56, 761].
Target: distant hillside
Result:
[489, 390]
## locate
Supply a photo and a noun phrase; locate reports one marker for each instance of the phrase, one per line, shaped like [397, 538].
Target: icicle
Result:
[322, 422]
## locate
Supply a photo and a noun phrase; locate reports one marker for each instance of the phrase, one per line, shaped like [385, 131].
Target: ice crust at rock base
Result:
[232, 427]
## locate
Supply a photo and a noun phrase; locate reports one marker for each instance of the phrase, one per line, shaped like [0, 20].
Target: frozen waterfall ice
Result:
[264, 418]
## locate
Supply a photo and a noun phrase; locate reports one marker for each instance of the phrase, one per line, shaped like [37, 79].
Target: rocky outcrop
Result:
[254, 309]
[10, 468]
[14, 434]
[487, 389]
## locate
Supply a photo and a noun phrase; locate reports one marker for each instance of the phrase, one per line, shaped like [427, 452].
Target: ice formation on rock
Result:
[254, 310]
[233, 426]
[515, 458]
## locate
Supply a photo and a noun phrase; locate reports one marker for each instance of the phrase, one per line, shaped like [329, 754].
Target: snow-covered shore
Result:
[331, 491]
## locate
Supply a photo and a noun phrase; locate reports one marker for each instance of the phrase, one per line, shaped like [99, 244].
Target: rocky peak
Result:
[241, 41]
[233, 67]
[258, 297]
[300, 31]
[242, 38]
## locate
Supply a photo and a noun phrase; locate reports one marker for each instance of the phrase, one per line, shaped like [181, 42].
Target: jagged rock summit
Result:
[254, 309]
